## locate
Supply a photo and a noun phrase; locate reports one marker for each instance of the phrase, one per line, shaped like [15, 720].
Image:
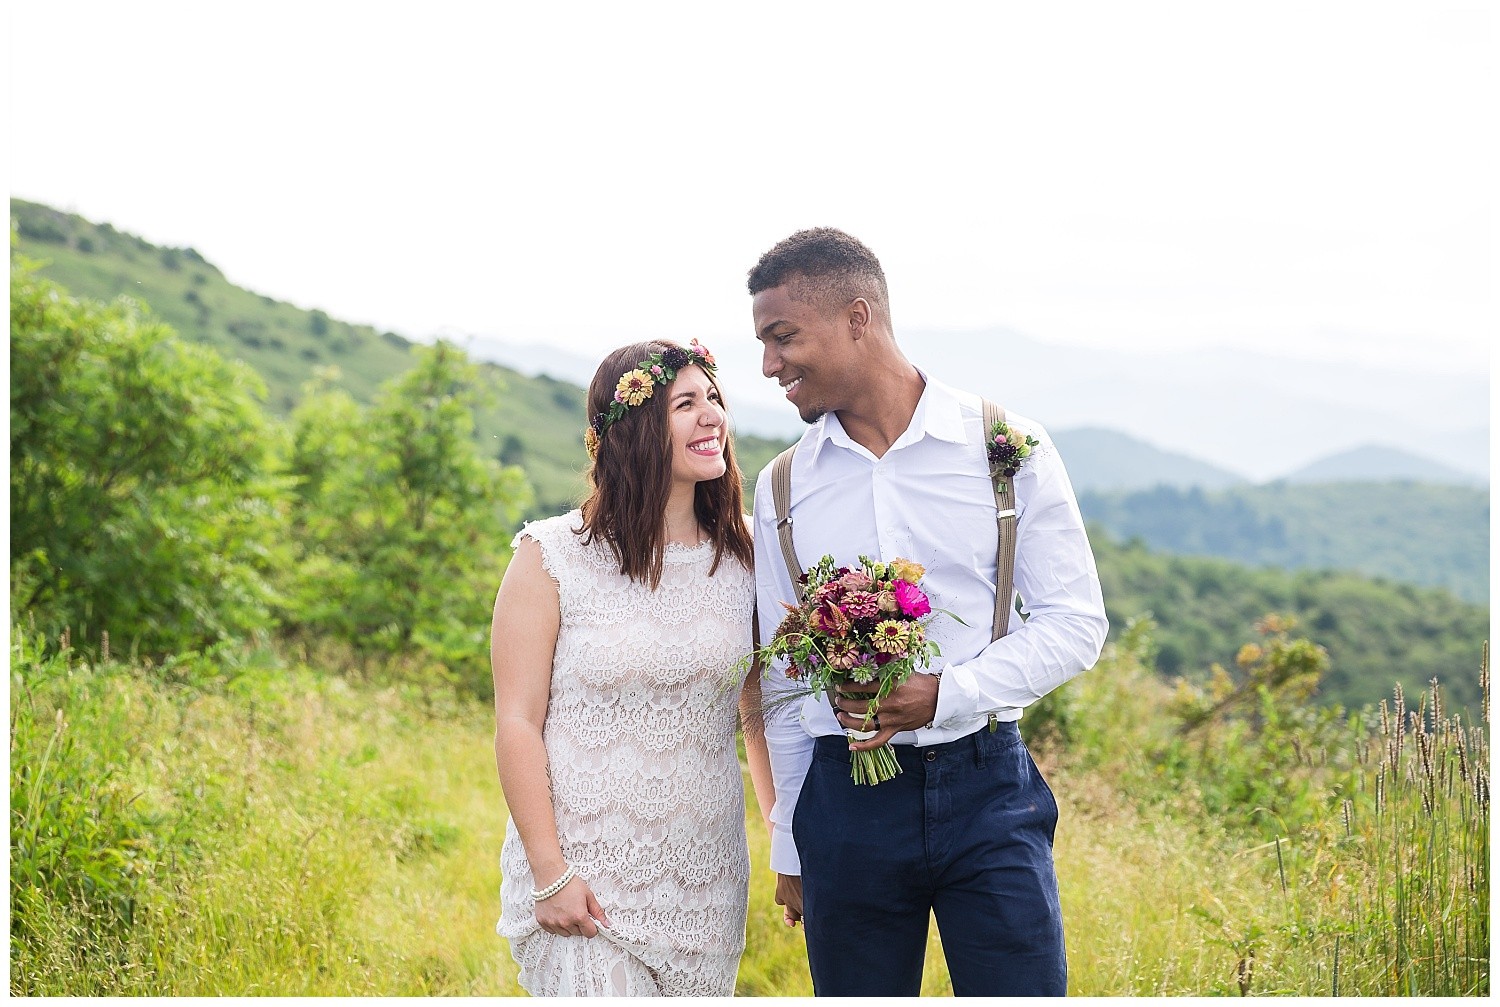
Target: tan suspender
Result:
[1005, 516]
[781, 495]
[1005, 546]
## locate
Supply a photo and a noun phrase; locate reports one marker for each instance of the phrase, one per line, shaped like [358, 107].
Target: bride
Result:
[616, 630]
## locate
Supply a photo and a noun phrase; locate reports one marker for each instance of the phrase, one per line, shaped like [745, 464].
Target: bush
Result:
[400, 523]
[141, 496]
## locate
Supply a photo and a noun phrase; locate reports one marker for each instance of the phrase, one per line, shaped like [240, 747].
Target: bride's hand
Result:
[571, 912]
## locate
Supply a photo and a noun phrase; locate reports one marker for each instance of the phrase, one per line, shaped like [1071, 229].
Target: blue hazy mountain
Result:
[1380, 464]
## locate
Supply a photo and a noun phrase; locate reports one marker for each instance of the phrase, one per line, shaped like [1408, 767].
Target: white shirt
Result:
[930, 499]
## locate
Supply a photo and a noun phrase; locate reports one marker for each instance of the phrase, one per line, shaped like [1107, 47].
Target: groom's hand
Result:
[913, 704]
[789, 895]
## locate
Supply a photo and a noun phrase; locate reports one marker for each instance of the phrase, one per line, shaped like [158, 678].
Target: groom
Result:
[893, 464]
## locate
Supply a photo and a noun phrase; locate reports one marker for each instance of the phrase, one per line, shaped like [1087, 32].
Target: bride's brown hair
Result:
[631, 477]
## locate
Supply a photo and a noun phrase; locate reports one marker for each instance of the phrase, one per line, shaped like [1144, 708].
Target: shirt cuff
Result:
[958, 696]
[784, 859]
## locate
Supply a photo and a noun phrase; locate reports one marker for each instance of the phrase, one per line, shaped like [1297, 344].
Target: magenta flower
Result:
[911, 600]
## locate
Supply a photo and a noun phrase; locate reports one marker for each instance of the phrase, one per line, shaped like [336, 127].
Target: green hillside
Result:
[284, 343]
[536, 423]
[1377, 633]
[1417, 533]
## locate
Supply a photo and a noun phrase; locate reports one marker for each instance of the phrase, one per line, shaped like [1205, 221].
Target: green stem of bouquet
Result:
[874, 766]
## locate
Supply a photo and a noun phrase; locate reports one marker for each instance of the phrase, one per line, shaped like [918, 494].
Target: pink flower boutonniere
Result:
[1008, 450]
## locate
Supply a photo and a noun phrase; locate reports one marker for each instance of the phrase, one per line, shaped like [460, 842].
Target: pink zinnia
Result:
[860, 605]
[843, 655]
[911, 599]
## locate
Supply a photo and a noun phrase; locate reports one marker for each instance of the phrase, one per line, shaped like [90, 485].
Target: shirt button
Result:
[931, 755]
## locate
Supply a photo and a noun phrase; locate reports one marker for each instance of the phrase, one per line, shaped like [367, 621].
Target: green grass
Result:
[290, 832]
[312, 837]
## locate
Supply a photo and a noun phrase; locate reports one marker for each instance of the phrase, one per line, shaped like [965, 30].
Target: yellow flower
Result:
[891, 637]
[906, 570]
[634, 388]
[591, 442]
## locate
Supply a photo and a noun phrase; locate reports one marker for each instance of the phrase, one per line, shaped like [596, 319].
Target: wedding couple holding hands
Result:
[625, 867]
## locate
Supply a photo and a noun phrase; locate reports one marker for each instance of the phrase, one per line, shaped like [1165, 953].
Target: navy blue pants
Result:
[964, 834]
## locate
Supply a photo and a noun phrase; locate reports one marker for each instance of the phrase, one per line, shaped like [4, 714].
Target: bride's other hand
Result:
[572, 912]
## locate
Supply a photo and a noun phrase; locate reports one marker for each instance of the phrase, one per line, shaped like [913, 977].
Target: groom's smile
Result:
[800, 349]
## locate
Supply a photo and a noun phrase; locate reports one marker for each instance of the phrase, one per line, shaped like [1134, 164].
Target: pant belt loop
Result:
[979, 737]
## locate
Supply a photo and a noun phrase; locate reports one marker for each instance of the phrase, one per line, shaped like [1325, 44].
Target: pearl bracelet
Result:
[542, 894]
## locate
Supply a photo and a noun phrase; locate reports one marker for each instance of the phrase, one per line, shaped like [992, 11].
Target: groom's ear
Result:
[857, 316]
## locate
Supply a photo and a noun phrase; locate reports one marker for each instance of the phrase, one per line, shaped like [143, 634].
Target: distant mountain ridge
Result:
[1436, 536]
[1372, 463]
[1100, 459]
[1249, 412]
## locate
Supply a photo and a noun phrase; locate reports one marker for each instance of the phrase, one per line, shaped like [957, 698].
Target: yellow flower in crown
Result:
[634, 388]
[639, 383]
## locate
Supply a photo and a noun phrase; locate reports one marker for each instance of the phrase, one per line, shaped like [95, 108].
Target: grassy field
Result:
[229, 825]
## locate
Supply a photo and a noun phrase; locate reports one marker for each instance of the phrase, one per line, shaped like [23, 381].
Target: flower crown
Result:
[637, 385]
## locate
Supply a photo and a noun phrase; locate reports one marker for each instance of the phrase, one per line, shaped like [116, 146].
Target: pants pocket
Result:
[1039, 782]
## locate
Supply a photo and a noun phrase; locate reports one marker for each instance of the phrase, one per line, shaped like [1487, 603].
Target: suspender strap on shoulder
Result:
[1005, 545]
[1005, 517]
[781, 498]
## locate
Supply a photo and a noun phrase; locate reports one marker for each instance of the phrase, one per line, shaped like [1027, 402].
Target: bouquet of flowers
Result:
[862, 624]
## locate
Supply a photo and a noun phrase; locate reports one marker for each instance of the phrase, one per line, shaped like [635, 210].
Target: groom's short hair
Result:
[826, 268]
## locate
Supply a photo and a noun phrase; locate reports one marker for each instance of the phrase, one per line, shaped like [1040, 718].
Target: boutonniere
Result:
[1008, 449]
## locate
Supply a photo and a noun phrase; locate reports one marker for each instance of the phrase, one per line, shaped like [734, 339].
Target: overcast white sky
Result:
[1313, 179]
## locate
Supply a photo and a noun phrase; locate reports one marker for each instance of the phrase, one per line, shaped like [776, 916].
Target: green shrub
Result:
[142, 501]
[400, 523]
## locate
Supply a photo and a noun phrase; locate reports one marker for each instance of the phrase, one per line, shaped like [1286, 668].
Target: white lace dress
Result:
[645, 778]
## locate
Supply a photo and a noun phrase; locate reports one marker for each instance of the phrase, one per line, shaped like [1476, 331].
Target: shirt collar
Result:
[938, 415]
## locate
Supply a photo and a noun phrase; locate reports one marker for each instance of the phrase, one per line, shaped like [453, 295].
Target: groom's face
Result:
[805, 349]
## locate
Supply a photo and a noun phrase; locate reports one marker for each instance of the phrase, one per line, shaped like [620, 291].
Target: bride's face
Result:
[696, 418]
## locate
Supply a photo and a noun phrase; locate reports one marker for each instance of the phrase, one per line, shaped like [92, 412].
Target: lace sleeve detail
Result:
[558, 543]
